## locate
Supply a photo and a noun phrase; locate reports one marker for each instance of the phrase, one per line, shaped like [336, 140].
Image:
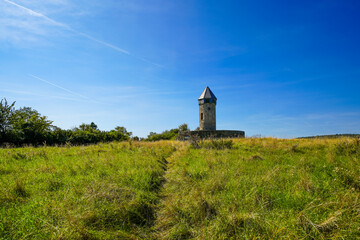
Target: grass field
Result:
[224, 189]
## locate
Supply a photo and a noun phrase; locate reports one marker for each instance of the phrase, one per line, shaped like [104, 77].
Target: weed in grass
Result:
[255, 157]
[218, 144]
[4, 171]
[239, 224]
[20, 156]
[318, 230]
[208, 211]
[55, 185]
[349, 178]
[19, 190]
[348, 147]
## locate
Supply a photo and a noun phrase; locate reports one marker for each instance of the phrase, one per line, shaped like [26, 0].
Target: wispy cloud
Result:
[36, 14]
[20, 95]
[60, 87]
[65, 26]
[69, 28]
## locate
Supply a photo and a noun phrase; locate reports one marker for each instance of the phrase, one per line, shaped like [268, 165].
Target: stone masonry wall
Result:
[211, 134]
[208, 122]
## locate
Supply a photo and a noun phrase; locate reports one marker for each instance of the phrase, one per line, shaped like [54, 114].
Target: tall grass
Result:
[264, 189]
[260, 188]
[107, 191]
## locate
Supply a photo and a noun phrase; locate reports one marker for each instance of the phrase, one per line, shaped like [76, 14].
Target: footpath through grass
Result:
[106, 191]
[223, 189]
[263, 189]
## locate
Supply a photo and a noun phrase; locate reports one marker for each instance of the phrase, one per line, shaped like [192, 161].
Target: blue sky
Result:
[278, 68]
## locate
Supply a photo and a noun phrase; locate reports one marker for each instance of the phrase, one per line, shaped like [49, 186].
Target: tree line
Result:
[26, 126]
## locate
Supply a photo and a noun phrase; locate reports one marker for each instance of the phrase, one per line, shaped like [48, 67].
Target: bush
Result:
[217, 144]
[166, 135]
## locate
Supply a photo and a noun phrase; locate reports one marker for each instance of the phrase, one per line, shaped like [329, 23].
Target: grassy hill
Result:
[348, 135]
[222, 189]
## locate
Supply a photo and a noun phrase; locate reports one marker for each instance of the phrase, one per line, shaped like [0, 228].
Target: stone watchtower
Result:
[207, 110]
[207, 119]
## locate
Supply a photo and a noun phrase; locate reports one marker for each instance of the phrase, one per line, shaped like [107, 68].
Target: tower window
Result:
[201, 116]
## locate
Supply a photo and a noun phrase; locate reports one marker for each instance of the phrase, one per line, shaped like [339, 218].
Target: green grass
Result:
[264, 189]
[105, 191]
[221, 189]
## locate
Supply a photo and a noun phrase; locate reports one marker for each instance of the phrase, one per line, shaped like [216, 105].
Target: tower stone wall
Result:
[207, 116]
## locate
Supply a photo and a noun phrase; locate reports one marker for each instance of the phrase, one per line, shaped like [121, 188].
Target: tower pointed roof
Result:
[207, 94]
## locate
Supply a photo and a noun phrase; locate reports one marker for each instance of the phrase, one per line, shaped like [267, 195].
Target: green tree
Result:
[28, 126]
[6, 115]
[151, 134]
[184, 127]
[88, 127]
[123, 130]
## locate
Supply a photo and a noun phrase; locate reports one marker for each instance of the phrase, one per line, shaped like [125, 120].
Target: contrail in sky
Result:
[67, 27]
[103, 43]
[62, 88]
[36, 14]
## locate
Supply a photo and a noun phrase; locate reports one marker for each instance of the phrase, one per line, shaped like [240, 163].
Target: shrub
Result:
[217, 144]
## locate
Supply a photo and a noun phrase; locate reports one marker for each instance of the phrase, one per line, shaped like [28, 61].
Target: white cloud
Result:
[20, 22]
[21, 27]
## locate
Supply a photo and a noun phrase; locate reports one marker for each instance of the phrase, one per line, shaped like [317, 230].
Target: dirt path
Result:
[181, 150]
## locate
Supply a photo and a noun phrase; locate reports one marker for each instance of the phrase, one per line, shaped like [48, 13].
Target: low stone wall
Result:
[211, 134]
